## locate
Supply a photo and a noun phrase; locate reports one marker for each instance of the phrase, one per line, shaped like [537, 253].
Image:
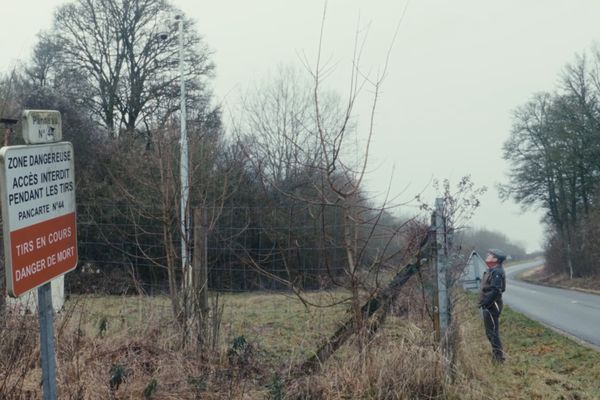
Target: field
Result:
[126, 347]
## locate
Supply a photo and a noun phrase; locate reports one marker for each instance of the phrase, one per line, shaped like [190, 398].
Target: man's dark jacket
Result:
[493, 285]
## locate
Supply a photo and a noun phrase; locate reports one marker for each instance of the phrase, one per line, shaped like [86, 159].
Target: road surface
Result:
[573, 312]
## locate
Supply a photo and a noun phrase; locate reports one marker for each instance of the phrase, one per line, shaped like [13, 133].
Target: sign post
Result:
[37, 183]
[45, 313]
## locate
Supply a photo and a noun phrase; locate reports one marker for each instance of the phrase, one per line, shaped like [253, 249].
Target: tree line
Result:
[554, 153]
[276, 195]
[481, 240]
[284, 171]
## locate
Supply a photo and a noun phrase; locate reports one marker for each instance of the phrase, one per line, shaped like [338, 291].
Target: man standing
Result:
[493, 285]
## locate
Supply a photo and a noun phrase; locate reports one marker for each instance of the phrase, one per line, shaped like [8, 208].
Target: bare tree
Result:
[108, 56]
[342, 178]
[145, 181]
[303, 146]
[553, 149]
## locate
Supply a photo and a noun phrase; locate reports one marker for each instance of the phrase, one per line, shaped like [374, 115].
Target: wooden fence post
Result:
[440, 300]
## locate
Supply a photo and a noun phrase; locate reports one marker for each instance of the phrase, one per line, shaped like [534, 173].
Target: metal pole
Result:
[46, 316]
[183, 161]
[442, 284]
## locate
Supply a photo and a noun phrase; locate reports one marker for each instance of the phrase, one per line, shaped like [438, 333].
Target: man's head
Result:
[495, 257]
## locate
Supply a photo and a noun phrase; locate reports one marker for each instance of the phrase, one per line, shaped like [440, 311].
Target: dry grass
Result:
[390, 368]
[541, 364]
[99, 337]
[541, 276]
[19, 353]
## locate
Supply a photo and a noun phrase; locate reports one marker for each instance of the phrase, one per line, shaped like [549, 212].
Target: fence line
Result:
[126, 242]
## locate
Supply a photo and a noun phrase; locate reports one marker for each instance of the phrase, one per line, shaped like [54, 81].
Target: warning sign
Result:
[38, 211]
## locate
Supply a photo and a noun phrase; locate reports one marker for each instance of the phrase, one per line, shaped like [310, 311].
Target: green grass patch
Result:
[280, 325]
[541, 363]
[110, 315]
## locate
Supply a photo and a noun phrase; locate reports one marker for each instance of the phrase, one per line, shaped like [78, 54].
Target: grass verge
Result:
[541, 363]
[540, 276]
[99, 335]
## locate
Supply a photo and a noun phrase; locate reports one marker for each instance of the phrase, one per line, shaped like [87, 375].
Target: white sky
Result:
[457, 70]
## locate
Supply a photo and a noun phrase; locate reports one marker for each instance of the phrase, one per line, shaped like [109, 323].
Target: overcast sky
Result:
[456, 72]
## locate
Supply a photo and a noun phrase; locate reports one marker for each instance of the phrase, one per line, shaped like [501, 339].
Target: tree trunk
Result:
[569, 257]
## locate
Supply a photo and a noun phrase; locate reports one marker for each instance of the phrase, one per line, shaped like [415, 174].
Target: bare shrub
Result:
[136, 356]
[20, 352]
[391, 368]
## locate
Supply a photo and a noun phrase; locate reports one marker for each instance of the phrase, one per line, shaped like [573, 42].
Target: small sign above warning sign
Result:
[41, 126]
[38, 212]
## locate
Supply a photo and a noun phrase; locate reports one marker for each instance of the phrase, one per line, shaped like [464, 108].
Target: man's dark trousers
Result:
[491, 317]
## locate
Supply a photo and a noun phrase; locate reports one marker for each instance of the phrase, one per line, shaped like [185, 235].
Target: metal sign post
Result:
[46, 316]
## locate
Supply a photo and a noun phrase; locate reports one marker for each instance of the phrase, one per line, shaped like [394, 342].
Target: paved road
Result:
[573, 312]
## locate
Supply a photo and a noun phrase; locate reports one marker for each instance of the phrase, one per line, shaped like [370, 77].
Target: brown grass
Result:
[20, 351]
[389, 369]
[543, 277]
[98, 335]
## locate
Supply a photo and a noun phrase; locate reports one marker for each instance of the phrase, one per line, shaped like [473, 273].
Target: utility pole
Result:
[184, 158]
[184, 220]
[184, 161]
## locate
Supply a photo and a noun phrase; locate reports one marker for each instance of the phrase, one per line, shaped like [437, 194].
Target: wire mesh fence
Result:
[252, 255]
[246, 248]
[126, 249]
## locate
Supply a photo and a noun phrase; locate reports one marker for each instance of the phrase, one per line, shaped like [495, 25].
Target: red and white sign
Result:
[38, 212]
